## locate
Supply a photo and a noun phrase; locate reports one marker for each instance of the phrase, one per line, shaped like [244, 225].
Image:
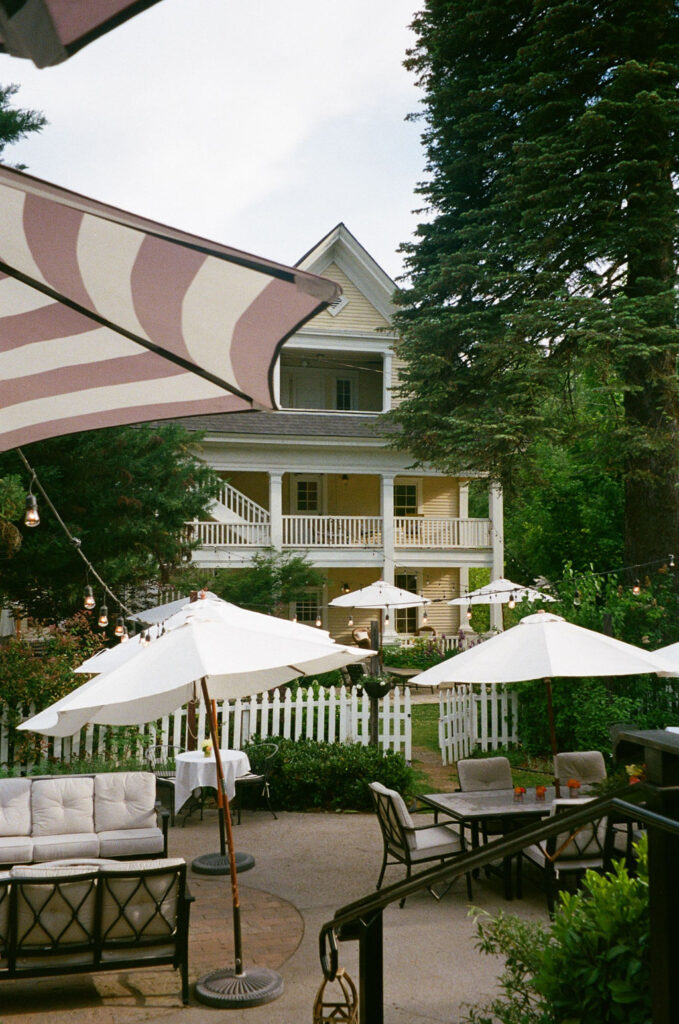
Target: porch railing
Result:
[302, 531]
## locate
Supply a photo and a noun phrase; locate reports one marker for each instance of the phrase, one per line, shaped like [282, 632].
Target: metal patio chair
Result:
[268, 752]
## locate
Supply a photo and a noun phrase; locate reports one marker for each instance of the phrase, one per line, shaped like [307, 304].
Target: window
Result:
[307, 496]
[343, 394]
[406, 618]
[405, 500]
[307, 610]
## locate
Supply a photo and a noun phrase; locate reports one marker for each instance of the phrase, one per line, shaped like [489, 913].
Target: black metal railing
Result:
[362, 920]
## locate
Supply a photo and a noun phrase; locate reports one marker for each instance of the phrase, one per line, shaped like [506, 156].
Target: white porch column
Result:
[276, 509]
[387, 362]
[497, 540]
[463, 571]
[277, 382]
[387, 511]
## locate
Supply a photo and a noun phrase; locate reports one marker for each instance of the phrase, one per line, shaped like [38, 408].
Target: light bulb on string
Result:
[103, 616]
[124, 636]
[512, 600]
[294, 618]
[425, 618]
[350, 621]
[120, 626]
[469, 611]
[88, 598]
[319, 621]
[577, 599]
[672, 562]
[31, 515]
[386, 619]
[636, 589]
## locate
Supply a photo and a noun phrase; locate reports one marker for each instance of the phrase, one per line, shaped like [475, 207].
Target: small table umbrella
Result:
[501, 591]
[381, 596]
[236, 662]
[542, 646]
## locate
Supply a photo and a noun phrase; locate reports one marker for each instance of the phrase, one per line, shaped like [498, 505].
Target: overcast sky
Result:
[258, 124]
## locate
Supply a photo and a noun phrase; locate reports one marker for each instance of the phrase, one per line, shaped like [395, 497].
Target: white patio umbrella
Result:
[501, 591]
[235, 661]
[543, 646]
[381, 596]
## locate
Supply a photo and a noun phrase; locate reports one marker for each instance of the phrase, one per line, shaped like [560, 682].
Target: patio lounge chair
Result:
[411, 844]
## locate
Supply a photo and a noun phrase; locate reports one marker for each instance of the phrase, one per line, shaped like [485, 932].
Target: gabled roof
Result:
[339, 246]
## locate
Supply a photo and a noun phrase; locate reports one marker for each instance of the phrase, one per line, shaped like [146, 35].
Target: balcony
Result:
[346, 532]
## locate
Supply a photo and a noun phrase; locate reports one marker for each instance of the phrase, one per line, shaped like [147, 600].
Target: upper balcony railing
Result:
[348, 532]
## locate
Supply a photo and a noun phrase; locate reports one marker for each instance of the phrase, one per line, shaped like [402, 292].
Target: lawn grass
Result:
[526, 771]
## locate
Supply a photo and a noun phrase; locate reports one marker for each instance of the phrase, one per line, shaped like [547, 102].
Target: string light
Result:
[386, 619]
[425, 618]
[577, 599]
[88, 598]
[512, 600]
[469, 611]
[103, 617]
[120, 626]
[319, 621]
[350, 621]
[636, 589]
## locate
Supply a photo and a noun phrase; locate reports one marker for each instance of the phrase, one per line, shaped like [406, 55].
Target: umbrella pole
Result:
[234, 987]
[552, 730]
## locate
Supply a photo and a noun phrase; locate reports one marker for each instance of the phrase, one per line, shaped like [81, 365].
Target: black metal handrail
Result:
[362, 919]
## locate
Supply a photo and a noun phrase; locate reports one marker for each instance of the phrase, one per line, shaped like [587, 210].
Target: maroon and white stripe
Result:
[107, 318]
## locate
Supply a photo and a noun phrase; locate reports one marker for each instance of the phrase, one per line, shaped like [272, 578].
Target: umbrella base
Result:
[255, 986]
[219, 864]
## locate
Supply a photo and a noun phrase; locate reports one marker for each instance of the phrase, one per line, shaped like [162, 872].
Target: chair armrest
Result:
[163, 816]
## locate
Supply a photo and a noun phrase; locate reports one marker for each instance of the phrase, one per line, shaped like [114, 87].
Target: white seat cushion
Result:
[439, 841]
[124, 842]
[79, 844]
[124, 800]
[129, 908]
[62, 805]
[15, 807]
[16, 850]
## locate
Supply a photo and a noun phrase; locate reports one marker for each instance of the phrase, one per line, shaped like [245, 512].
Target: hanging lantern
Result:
[31, 515]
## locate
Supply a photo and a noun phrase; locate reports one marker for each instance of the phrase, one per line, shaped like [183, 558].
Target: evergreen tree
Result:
[548, 258]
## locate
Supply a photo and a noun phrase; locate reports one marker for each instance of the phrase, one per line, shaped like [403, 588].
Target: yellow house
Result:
[320, 478]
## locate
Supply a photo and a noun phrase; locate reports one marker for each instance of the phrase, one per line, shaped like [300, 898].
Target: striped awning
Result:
[50, 31]
[107, 318]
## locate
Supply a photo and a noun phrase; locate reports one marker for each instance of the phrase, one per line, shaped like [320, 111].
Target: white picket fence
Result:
[333, 715]
[472, 716]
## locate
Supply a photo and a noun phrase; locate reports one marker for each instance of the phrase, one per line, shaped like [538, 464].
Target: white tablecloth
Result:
[194, 770]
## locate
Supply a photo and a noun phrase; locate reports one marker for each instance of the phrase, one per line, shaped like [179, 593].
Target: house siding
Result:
[358, 315]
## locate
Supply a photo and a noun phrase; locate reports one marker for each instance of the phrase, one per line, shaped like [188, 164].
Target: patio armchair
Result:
[479, 774]
[568, 854]
[161, 761]
[410, 844]
[587, 766]
[267, 755]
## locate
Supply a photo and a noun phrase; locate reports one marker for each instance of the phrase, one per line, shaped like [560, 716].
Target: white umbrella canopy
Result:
[176, 613]
[542, 646]
[159, 678]
[109, 318]
[501, 591]
[380, 595]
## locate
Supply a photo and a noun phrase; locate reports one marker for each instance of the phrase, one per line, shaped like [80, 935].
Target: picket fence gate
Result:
[476, 716]
[333, 715]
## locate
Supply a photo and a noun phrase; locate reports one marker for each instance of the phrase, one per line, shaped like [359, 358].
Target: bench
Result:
[68, 918]
[112, 814]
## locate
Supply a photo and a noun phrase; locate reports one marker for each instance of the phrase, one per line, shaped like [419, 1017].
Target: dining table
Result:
[472, 808]
[195, 770]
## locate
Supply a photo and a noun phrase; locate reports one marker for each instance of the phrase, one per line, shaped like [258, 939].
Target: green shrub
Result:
[422, 653]
[331, 776]
[590, 964]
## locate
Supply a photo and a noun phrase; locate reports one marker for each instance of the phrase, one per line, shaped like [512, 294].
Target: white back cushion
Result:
[63, 805]
[124, 800]
[15, 807]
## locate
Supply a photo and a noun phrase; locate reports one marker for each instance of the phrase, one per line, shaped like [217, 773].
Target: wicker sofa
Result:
[69, 918]
[113, 814]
